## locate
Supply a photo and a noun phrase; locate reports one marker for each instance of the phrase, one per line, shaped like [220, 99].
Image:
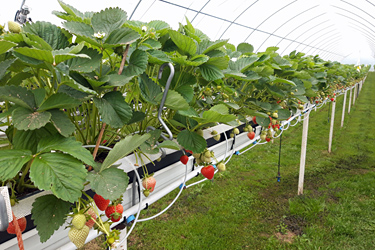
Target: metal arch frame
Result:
[329, 32]
[322, 42]
[369, 36]
[315, 33]
[136, 7]
[192, 20]
[269, 18]
[330, 46]
[358, 7]
[337, 38]
[353, 14]
[299, 26]
[318, 44]
[241, 25]
[286, 23]
[238, 17]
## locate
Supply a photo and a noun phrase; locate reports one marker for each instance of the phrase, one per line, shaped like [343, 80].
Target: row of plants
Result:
[100, 80]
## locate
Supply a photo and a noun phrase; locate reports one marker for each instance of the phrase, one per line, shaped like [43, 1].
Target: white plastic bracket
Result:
[5, 209]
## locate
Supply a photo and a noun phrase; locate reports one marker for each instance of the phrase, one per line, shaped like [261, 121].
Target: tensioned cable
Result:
[358, 8]
[299, 26]
[149, 7]
[226, 20]
[270, 17]
[332, 40]
[286, 23]
[331, 46]
[328, 32]
[237, 18]
[353, 14]
[333, 36]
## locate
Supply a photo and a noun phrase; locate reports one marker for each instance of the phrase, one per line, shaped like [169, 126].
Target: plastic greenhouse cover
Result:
[337, 30]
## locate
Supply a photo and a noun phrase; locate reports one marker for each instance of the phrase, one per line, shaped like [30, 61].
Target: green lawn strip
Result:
[245, 206]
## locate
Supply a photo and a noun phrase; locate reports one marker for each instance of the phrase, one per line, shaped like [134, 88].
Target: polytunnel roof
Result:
[337, 30]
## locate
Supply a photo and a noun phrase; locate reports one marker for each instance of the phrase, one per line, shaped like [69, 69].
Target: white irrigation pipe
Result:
[303, 154]
[350, 100]
[331, 126]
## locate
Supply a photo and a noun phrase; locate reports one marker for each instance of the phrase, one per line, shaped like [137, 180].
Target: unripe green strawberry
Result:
[274, 122]
[14, 27]
[275, 115]
[78, 236]
[221, 166]
[245, 129]
[231, 135]
[207, 159]
[200, 132]
[250, 128]
[269, 133]
[214, 132]
[217, 137]
[207, 154]
[236, 131]
[300, 106]
[263, 136]
[196, 155]
[79, 220]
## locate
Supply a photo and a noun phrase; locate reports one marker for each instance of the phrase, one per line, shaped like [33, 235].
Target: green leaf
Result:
[275, 91]
[121, 36]
[244, 63]
[49, 214]
[38, 54]
[60, 173]
[283, 114]
[160, 27]
[67, 145]
[118, 80]
[157, 57]
[85, 65]
[285, 81]
[18, 78]
[29, 139]
[49, 32]
[264, 122]
[245, 48]
[187, 92]
[169, 144]
[209, 45]
[83, 31]
[12, 161]
[108, 20]
[71, 10]
[219, 62]
[62, 123]
[173, 101]
[123, 148]
[194, 61]
[4, 65]
[184, 43]
[59, 101]
[5, 46]
[110, 183]
[25, 119]
[149, 146]
[137, 63]
[113, 109]
[149, 89]
[192, 141]
[211, 72]
[137, 116]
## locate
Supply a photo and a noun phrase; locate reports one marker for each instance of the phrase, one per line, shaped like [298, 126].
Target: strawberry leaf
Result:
[61, 173]
[25, 119]
[191, 141]
[49, 214]
[110, 183]
[11, 162]
[18, 95]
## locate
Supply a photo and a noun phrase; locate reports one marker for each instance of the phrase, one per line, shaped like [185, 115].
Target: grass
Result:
[245, 208]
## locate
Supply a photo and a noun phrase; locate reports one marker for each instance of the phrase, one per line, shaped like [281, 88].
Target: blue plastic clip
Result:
[255, 142]
[281, 128]
[214, 166]
[278, 178]
[237, 153]
[181, 186]
[130, 219]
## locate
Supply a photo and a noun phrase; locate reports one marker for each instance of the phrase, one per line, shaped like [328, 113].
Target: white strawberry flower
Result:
[144, 28]
[99, 35]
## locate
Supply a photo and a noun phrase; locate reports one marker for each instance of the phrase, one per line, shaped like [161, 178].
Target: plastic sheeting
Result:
[339, 30]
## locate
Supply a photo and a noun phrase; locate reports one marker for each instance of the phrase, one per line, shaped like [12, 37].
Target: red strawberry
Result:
[332, 99]
[268, 139]
[189, 151]
[208, 172]
[149, 183]
[184, 159]
[251, 135]
[255, 120]
[114, 212]
[100, 202]
[90, 212]
[317, 101]
[21, 223]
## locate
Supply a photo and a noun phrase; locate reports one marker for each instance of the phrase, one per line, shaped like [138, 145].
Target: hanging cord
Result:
[278, 177]
[18, 232]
